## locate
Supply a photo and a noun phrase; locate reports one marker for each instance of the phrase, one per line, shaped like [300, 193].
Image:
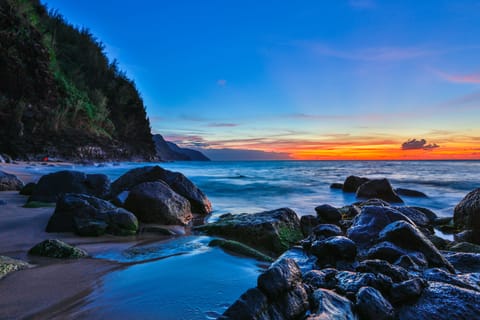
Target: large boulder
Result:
[467, 212]
[372, 219]
[272, 232]
[407, 236]
[378, 188]
[178, 182]
[155, 202]
[51, 186]
[9, 182]
[54, 248]
[442, 301]
[90, 216]
[352, 183]
[327, 305]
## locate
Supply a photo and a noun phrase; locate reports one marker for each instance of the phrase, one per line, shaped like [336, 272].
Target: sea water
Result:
[186, 279]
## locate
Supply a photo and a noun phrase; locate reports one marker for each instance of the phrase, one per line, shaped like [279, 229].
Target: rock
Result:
[332, 249]
[464, 262]
[438, 275]
[438, 242]
[178, 182]
[54, 248]
[8, 265]
[239, 248]
[279, 278]
[155, 202]
[350, 282]
[410, 193]
[158, 230]
[292, 305]
[432, 216]
[271, 232]
[27, 190]
[90, 216]
[472, 236]
[407, 291]
[349, 212]
[467, 212]
[390, 252]
[305, 261]
[372, 219]
[420, 219]
[464, 247]
[378, 188]
[407, 262]
[396, 273]
[441, 301]
[352, 183]
[372, 202]
[253, 304]
[336, 186]
[307, 223]
[408, 236]
[327, 305]
[324, 278]
[53, 185]
[9, 182]
[324, 231]
[372, 305]
[328, 214]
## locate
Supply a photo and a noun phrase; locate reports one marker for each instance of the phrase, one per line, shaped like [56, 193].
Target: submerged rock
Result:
[410, 193]
[51, 186]
[372, 305]
[378, 188]
[176, 181]
[336, 186]
[9, 182]
[8, 265]
[54, 248]
[239, 248]
[272, 232]
[90, 216]
[155, 202]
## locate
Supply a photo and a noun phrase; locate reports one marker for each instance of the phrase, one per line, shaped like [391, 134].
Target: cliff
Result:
[169, 151]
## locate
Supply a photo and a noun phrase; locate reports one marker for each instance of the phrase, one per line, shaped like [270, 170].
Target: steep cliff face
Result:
[169, 151]
[59, 94]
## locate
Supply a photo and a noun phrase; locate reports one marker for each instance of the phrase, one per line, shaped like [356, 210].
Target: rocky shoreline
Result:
[373, 259]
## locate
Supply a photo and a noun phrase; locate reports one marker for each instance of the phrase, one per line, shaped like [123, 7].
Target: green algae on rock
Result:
[54, 248]
[239, 248]
[8, 265]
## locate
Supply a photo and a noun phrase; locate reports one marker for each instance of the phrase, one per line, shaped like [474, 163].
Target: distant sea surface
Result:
[190, 280]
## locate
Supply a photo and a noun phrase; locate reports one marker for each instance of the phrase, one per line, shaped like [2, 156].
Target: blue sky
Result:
[297, 77]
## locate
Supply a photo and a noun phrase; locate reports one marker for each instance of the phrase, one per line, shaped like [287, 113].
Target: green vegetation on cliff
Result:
[59, 94]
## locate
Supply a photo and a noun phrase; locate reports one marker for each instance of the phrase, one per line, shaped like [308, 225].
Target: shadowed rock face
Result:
[372, 305]
[381, 189]
[352, 183]
[176, 181]
[9, 182]
[467, 215]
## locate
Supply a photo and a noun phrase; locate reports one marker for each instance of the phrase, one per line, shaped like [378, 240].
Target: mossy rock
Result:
[239, 248]
[39, 204]
[8, 265]
[54, 248]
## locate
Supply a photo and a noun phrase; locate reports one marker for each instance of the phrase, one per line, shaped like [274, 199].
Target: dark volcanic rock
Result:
[420, 219]
[408, 236]
[396, 273]
[27, 190]
[372, 219]
[54, 248]
[324, 231]
[390, 252]
[307, 223]
[305, 261]
[336, 186]
[350, 282]
[410, 193]
[328, 214]
[472, 236]
[378, 188]
[439, 275]
[441, 301]
[324, 278]
[178, 182]
[253, 304]
[407, 291]
[90, 216]
[272, 232]
[52, 185]
[333, 249]
[327, 305]
[352, 183]
[467, 211]
[155, 202]
[372, 305]
[9, 182]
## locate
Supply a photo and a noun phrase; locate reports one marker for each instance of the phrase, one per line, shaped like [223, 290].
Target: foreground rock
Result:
[9, 182]
[271, 232]
[51, 186]
[90, 216]
[8, 265]
[467, 216]
[54, 248]
[155, 202]
[378, 188]
[176, 181]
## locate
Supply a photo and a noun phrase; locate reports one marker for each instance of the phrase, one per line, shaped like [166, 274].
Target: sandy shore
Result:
[53, 285]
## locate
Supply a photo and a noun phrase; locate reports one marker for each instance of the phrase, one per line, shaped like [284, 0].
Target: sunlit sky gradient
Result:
[313, 79]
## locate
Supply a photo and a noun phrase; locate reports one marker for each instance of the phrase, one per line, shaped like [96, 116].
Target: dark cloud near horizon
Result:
[414, 144]
[227, 154]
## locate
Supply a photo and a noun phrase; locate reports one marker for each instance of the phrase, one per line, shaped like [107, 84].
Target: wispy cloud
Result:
[414, 144]
[459, 78]
[222, 125]
[222, 82]
[362, 4]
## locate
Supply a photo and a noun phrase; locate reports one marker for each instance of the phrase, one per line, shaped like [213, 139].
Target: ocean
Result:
[189, 280]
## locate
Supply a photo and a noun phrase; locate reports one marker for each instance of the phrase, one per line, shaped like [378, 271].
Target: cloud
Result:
[222, 125]
[222, 82]
[472, 78]
[362, 4]
[414, 144]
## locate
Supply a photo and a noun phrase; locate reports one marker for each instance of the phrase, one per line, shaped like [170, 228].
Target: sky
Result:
[309, 80]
